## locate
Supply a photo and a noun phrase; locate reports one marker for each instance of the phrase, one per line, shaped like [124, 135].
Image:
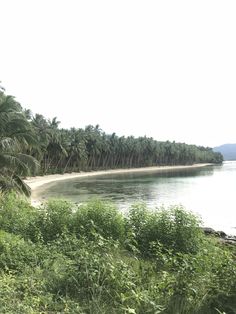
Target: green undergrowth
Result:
[61, 258]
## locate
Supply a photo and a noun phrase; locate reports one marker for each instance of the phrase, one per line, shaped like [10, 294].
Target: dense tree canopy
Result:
[16, 138]
[25, 138]
[91, 149]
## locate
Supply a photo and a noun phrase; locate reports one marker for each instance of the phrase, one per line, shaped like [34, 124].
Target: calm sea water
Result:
[210, 191]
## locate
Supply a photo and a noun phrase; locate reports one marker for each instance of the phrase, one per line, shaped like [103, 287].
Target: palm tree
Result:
[16, 135]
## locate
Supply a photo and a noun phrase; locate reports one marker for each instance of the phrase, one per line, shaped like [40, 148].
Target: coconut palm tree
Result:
[16, 135]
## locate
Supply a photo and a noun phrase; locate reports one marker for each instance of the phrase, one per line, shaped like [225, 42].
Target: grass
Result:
[61, 258]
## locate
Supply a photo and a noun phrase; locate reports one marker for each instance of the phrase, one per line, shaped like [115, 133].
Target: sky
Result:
[164, 69]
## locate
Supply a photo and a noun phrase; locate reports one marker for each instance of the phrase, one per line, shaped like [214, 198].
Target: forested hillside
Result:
[227, 150]
[28, 141]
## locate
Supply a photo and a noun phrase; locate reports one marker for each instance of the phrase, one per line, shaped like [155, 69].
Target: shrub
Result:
[99, 217]
[82, 265]
[18, 216]
[16, 253]
[55, 218]
[96, 274]
[26, 294]
[173, 228]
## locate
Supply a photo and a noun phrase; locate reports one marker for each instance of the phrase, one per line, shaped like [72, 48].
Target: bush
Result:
[27, 294]
[79, 262]
[99, 217]
[173, 228]
[94, 273]
[18, 216]
[16, 253]
[55, 218]
[201, 281]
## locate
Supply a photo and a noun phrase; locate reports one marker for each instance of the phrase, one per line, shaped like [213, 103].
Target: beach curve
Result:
[38, 181]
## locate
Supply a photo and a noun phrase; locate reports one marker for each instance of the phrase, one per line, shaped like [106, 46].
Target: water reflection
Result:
[125, 186]
[209, 191]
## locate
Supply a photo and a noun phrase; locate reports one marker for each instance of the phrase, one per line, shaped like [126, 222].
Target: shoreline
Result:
[38, 181]
[37, 185]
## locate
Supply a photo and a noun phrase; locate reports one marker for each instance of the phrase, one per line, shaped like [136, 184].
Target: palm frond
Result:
[20, 164]
[12, 164]
[8, 144]
[17, 137]
[8, 104]
[21, 186]
[26, 138]
[30, 161]
[8, 183]
[19, 124]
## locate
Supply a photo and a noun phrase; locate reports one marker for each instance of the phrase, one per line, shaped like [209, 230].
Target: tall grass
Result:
[61, 258]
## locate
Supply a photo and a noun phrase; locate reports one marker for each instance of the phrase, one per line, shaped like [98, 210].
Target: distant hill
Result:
[227, 150]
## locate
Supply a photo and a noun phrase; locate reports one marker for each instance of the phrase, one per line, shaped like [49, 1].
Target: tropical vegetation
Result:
[17, 137]
[65, 258]
[28, 141]
[62, 258]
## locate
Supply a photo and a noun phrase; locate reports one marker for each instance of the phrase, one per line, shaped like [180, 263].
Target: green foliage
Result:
[26, 294]
[17, 216]
[16, 137]
[173, 229]
[60, 258]
[54, 219]
[91, 149]
[28, 142]
[15, 252]
[99, 217]
[33, 144]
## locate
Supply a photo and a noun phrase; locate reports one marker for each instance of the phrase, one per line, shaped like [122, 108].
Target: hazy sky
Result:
[165, 69]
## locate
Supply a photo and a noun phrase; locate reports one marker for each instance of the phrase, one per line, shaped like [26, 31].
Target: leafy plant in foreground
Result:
[173, 228]
[61, 258]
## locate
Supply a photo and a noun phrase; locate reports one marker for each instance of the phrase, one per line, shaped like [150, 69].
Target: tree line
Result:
[31, 144]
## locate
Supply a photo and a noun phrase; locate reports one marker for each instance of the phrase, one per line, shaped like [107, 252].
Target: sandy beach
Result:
[38, 181]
